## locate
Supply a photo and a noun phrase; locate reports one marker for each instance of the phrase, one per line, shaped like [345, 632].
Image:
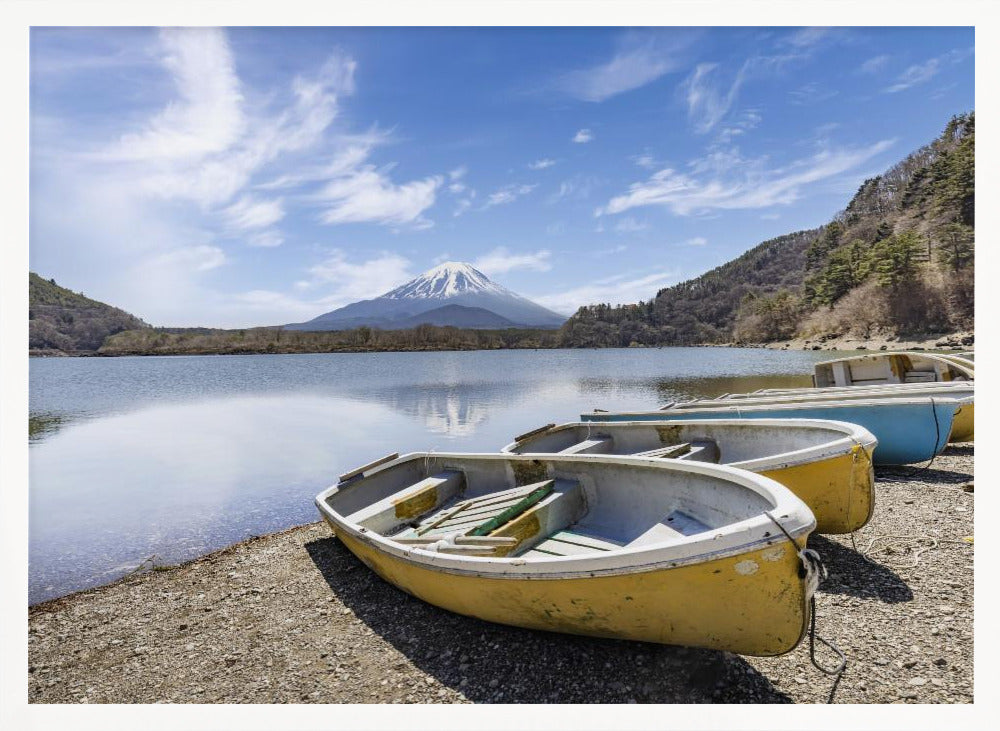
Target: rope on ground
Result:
[911, 542]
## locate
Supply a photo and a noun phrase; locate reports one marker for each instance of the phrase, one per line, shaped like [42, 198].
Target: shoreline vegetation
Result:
[432, 338]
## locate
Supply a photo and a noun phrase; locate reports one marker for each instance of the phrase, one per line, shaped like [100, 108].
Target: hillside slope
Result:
[62, 320]
[898, 260]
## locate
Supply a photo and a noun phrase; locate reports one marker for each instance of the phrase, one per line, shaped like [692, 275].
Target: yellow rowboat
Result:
[884, 368]
[827, 464]
[643, 549]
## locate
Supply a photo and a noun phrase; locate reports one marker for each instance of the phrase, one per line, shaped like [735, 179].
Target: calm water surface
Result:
[173, 457]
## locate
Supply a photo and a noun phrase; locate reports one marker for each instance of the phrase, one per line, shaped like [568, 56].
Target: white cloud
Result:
[630, 225]
[916, 74]
[725, 180]
[708, 101]
[249, 212]
[501, 260]
[921, 73]
[206, 152]
[644, 161]
[811, 93]
[207, 117]
[192, 258]
[368, 195]
[508, 194]
[266, 239]
[579, 187]
[695, 241]
[583, 135]
[806, 37]
[456, 188]
[463, 205]
[616, 290]
[874, 64]
[545, 162]
[353, 281]
[458, 173]
[627, 70]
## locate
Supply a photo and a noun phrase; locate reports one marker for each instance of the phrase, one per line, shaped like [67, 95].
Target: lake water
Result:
[174, 457]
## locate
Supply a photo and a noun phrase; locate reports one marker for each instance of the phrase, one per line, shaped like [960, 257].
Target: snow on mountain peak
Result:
[450, 279]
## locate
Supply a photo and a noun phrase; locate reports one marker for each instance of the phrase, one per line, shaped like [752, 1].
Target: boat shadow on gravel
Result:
[489, 662]
[851, 572]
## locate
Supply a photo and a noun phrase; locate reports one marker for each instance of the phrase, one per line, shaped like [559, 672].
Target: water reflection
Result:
[177, 457]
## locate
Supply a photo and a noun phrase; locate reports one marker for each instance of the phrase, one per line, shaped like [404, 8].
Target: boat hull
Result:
[840, 490]
[752, 603]
[907, 431]
[963, 427]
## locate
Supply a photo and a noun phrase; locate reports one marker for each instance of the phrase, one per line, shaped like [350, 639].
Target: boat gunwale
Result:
[853, 435]
[820, 395]
[756, 532]
[957, 402]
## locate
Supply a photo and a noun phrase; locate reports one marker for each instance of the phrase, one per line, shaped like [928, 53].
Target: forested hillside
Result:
[898, 260]
[61, 320]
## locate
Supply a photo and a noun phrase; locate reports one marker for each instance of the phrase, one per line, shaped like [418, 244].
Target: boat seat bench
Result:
[696, 451]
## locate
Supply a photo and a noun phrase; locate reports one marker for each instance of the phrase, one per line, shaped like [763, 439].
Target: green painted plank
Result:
[532, 498]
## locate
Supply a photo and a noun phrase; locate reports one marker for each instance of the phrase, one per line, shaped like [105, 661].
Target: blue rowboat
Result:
[908, 430]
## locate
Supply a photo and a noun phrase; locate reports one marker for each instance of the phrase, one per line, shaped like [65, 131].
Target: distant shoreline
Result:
[945, 342]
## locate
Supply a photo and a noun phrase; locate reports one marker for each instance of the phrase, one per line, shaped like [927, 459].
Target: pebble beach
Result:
[293, 617]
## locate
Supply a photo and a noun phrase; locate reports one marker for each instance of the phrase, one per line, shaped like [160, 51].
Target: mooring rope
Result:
[814, 572]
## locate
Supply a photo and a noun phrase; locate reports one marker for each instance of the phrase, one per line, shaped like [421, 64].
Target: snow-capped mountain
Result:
[450, 293]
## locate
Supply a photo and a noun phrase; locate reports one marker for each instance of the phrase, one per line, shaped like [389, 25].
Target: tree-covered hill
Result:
[62, 320]
[899, 259]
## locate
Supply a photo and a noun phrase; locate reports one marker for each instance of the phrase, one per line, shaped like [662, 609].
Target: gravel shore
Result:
[294, 617]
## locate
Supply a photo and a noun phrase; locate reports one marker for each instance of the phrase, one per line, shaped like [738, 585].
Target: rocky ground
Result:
[958, 342]
[294, 617]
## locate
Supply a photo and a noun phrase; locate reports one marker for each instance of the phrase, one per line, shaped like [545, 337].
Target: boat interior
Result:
[887, 368]
[720, 443]
[510, 506]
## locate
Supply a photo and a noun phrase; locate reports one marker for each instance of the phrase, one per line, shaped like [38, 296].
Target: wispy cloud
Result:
[193, 258]
[501, 260]
[508, 194]
[583, 136]
[725, 180]
[811, 93]
[545, 162]
[695, 241]
[368, 195]
[346, 281]
[579, 187]
[640, 62]
[874, 64]
[708, 100]
[923, 72]
[207, 117]
[249, 213]
[266, 239]
[620, 289]
[916, 74]
[807, 37]
[629, 225]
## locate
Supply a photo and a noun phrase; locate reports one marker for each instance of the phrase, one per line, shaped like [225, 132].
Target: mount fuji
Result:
[453, 293]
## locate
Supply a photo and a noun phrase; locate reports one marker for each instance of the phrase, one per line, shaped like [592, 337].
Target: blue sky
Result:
[251, 176]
